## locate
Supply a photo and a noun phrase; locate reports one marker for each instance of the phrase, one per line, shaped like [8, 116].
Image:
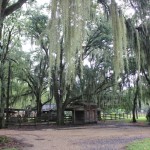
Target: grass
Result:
[4, 139]
[9, 149]
[141, 119]
[4, 142]
[140, 145]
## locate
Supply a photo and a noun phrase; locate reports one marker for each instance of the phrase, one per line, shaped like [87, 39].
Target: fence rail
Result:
[29, 121]
[33, 121]
[106, 116]
[117, 116]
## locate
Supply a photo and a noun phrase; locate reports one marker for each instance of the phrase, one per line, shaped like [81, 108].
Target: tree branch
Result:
[146, 76]
[13, 7]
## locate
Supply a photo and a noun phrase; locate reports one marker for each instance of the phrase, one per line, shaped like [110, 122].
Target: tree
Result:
[65, 45]
[89, 82]
[68, 30]
[6, 9]
[131, 34]
[7, 40]
[38, 78]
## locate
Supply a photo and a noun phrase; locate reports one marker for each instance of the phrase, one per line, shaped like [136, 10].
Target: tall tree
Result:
[7, 7]
[89, 82]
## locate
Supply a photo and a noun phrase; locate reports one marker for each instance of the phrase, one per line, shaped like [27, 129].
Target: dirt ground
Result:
[101, 136]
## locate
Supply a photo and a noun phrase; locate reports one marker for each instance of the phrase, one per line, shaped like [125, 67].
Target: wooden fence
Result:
[29, 121]
[33, 121]
[116, 116]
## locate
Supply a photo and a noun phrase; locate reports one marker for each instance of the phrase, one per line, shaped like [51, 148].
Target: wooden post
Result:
[115, 116]
[73, 115]
[119, 116]
[111, 116]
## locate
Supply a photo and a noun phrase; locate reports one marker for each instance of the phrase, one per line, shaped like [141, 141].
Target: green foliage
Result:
[96, 76]
[36, 24]
[139, 145]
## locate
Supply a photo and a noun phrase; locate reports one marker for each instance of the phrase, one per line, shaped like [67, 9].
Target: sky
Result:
[127, 10]
[43, 1]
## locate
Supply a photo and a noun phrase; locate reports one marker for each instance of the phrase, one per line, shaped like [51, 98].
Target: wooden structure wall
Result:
[83, 112]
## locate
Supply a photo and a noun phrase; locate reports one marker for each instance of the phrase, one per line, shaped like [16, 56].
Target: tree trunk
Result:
[8, 93]
[3, 98]
[134, 110]
[39, 104]
[60, 114]
[58, 89]
[135, 102]
[2, 124]
[58, 94]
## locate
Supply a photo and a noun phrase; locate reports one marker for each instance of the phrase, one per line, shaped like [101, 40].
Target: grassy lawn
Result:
[140, 119]
[139, 145]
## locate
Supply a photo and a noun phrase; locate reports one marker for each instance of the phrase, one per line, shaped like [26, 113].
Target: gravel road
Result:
[101, 136]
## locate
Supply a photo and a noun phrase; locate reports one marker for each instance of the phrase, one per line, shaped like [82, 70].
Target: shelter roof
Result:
[78, 105]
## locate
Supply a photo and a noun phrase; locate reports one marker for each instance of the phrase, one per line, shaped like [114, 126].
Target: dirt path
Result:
[89, 137]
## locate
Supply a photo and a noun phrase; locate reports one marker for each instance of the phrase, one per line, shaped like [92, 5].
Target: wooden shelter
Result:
[83, 112]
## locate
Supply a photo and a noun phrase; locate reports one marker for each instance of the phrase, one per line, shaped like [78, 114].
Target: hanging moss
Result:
[67, 22]
[119, 38]
[138, 51]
